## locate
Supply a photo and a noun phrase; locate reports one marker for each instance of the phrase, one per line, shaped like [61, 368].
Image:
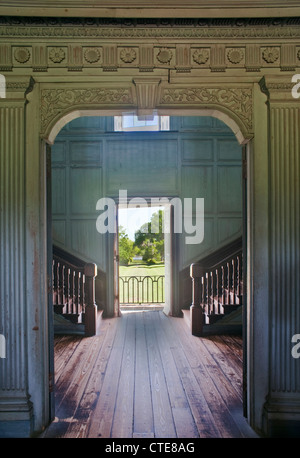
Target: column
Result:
[282, 409]
[15, 405]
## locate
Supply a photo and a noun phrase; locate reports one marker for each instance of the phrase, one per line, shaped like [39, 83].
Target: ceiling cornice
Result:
[153, 9]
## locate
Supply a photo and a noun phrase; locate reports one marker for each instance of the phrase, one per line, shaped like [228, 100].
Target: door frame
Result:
[169, 294]
[255, 401]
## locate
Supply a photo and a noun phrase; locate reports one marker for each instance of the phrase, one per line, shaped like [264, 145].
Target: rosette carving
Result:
[235, 56]
[128, 55]
[22, 55]
[201, 56]
[270, 55]
[57, 55]
[164, 56]
[92, 55]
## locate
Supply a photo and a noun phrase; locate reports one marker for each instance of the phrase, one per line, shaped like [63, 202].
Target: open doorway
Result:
[144, 253]
[190, 168]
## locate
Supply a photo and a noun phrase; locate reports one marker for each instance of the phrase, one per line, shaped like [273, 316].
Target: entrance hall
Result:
[133, 380]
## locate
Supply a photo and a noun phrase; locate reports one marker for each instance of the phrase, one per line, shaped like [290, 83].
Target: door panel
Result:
[168, 225]
[116, 263]
[49, 274]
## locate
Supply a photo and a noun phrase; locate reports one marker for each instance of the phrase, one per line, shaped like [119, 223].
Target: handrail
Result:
[74, 291]
[216, 288]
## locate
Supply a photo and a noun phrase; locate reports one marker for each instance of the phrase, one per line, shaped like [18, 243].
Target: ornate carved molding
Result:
[146, 57]
[238, 101]
[56, 102]
[216, 44]
[146, 95]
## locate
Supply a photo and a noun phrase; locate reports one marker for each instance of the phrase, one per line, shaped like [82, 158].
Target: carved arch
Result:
[232, 105]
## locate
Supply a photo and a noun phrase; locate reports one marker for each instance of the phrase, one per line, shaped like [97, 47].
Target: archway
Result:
[238, 132]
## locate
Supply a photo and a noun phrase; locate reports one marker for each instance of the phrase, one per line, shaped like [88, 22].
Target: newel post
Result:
[90, 272]
[196, 310]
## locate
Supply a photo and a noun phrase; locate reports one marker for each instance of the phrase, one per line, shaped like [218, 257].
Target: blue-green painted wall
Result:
[198, 157]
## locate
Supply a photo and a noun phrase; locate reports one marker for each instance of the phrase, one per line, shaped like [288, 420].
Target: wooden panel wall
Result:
[198, 157]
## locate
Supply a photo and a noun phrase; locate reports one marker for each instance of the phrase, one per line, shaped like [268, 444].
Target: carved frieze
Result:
[180, 45]
[146, 57]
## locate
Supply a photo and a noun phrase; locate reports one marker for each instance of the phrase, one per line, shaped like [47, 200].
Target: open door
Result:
[244, 181]
[116, 262]
[49, 277]
[168, 225]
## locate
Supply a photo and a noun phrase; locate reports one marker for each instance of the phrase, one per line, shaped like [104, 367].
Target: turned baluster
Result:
[90, 272]
[196, 310]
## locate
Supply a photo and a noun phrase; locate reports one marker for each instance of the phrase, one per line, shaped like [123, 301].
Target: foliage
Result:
[126, 247]
[149, 239]
[149, 242]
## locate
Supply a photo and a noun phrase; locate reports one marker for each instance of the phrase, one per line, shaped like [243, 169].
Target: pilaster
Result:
[15, 404]
[283, 404]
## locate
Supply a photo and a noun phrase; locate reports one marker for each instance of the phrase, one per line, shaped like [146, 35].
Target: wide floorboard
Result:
[146, 376]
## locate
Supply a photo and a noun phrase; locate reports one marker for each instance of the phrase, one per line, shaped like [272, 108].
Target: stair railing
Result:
[216, 290]
[74, 292]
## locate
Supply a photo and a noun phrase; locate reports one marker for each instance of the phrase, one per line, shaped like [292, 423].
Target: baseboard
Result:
[281, 418]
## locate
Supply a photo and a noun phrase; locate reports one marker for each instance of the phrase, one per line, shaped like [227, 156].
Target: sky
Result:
[132, 218]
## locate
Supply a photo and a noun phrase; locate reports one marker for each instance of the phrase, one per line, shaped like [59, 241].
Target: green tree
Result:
[126, 247]
[149, 239]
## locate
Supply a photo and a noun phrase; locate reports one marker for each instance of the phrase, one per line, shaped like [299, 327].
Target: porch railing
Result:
[216, 291]
[142, 289]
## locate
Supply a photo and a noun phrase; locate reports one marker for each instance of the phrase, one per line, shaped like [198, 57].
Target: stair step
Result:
[73, 317]
[228, 308]
[65, 327]
[224, 325]
[213, 318]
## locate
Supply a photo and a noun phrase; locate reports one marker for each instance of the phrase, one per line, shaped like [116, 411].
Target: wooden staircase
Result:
[217, 292]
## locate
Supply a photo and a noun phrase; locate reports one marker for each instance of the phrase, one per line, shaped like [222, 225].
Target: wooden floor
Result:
[145, 375]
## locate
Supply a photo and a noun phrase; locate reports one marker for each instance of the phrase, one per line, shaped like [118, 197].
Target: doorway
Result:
[191, 160]
[142, 255]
